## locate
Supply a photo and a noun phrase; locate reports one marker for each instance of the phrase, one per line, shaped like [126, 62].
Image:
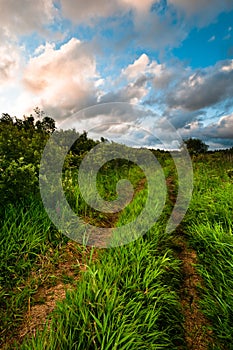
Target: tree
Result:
[195, 146]
[6, 119]
[21, 147]
[47, 125]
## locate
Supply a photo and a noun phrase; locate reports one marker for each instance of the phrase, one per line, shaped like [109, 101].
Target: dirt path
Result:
[196, 326]
[58, 278]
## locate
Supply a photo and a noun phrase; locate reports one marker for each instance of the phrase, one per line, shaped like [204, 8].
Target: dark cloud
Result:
[131, 93]
[223, 129]
[218, 134]
[204, 88]
[180, 119]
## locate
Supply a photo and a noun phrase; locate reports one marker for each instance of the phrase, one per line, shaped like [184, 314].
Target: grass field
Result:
[127, 297]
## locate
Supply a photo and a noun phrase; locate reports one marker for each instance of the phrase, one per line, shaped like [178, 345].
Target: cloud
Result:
[133, 92]
[160, 75]
[203, 11]
[144, 28]
[159, 32]
[218, 134]
[183, 119]
[10, 62]
[137, 80]
[93, 9]
[90, 10]
[63, 79]
[154, 23]
[25, 16]
[85, 11]
[183, 95]
[203, 88]
[138, 67]
[223, 128]
[138, 5]
[212, 38]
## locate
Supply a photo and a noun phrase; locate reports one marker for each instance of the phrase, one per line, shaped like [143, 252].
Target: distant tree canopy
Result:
[195, 146]
[47, 124]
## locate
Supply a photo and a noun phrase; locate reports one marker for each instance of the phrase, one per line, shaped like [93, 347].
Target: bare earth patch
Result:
[197, 330]
[61, 277]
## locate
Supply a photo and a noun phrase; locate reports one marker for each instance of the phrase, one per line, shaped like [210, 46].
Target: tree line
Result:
[21, 146]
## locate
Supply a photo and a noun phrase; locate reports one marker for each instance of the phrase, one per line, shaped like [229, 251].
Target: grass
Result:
[26, 235]
[209, 228]
[128, 297]
[31, 248]
[120, 303]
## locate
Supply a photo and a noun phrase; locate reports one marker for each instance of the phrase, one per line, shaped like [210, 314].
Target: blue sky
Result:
[171, 59]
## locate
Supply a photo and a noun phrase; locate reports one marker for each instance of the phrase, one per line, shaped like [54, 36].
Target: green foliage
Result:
[108, 310]
[209, 228]
[196, 146]
[25, 235]
[21, 145]
[82, 144]
[128, 298]
[121, 302]
[18, 180]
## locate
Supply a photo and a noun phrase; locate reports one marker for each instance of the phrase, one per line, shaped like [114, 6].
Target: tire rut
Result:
[197, 333]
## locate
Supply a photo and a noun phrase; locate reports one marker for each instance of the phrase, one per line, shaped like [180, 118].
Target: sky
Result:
[123, 68]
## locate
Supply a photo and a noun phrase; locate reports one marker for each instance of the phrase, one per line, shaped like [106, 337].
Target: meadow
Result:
[59, 294]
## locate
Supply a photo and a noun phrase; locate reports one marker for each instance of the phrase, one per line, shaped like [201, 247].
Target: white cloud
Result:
[62, 79]
[212, 38]
[10, 62]
[137, 68]
[159, 74]
[138, 5]
[228, 67]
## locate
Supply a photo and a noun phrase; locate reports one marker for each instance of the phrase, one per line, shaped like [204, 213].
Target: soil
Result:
[65, 275]
[197, 331]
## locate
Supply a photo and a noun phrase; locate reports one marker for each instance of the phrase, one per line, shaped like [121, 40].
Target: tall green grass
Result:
[25, 234]
[107, 179]
[127, 298]
[209, 226]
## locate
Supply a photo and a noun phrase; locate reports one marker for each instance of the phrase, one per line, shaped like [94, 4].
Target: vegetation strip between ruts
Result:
[121, 303]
